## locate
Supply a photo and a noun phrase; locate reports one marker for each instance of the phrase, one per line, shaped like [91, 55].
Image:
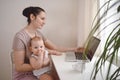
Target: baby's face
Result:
[37, 47]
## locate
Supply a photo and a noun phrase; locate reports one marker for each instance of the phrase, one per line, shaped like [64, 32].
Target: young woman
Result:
[36, 19]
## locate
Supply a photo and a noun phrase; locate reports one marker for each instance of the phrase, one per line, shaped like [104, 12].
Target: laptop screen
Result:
[92, 47]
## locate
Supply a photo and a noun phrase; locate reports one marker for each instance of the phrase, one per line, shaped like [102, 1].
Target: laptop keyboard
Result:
[79, 56]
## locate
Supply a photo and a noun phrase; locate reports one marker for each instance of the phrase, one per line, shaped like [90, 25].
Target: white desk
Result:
[65, 70]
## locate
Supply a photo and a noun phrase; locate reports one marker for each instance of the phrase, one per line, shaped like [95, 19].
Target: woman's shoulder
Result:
[21, 33]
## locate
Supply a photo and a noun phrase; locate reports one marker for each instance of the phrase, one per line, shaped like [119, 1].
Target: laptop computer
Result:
[76, 56]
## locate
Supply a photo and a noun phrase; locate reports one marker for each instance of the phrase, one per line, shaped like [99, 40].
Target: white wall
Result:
[87, 11]
[61, 26]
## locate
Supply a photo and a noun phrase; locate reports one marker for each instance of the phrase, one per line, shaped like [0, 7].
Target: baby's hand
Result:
[41, 53]
[41, 50]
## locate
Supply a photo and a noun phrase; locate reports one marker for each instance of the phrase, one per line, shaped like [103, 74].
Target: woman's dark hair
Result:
[31, 10]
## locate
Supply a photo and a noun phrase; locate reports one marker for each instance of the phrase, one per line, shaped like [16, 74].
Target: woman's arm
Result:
[52, 46]
[20, 65]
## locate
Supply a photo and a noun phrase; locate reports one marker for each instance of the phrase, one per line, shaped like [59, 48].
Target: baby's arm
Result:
[46, 61]
[36, 63]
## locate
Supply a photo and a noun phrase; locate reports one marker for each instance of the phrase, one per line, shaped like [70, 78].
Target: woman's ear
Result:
[32, 17]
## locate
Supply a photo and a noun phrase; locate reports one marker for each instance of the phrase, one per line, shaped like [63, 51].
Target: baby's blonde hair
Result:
[36, 38]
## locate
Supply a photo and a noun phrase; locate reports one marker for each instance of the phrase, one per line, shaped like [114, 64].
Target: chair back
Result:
[12, 57]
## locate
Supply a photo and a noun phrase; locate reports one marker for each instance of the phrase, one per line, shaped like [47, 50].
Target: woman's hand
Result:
[80, 49]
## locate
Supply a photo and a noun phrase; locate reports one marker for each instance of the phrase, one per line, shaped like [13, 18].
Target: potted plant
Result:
[112, 43]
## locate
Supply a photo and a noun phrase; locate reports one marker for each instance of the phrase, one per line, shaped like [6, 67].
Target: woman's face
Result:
[39, 21]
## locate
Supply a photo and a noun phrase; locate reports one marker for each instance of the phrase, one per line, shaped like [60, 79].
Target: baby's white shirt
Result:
[42, 70]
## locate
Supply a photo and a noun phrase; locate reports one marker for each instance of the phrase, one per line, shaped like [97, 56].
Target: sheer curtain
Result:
[105, 33]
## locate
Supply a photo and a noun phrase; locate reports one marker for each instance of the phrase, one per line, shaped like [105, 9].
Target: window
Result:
[108, 19]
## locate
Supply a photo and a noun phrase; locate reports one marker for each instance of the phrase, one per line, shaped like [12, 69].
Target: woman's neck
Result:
[31, 31]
